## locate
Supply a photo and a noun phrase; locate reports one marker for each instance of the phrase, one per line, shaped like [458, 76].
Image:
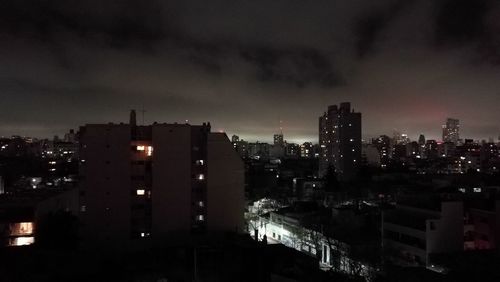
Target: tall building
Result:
[278, 139]
[157, 183]
[421, 140]
[451, 130]
[383, 144]
[340, 141]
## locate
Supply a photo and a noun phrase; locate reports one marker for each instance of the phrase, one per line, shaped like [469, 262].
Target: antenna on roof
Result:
[142, 112]
[281, 126]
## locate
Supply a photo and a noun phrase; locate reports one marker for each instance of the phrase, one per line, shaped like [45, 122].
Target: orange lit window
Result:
[21, 229]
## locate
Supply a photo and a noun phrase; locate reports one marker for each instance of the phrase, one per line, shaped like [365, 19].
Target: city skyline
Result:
[245, 66]
[269, 138]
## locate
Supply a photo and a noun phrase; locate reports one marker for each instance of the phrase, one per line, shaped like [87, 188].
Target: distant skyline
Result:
[244, 65]
[268, 136]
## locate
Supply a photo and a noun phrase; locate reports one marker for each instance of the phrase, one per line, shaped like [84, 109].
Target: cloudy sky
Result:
[244, 65]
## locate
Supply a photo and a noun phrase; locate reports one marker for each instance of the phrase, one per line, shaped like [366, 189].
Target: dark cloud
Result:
[461, 21]
[247, 64]
[301, 67]
[371, 23]
[474, 23]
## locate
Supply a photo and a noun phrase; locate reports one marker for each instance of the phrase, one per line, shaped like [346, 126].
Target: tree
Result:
[332, 183]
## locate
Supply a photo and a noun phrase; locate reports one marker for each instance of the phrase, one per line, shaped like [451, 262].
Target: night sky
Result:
[244, 65]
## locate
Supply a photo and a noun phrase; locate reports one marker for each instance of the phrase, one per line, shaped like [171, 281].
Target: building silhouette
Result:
[158, 183]
[340, 141]
[451, 130]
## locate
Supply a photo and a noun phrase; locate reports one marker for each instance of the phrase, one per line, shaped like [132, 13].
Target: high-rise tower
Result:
[340, 141]
[451, 130]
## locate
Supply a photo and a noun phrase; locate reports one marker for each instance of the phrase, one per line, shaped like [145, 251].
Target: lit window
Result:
[477, 190]
[21, 241]
[200, 217]
[141, 148]
[149, 152]
[21, 229]
[140, 192]
[200, 177]
[200, 162]
[201, 204]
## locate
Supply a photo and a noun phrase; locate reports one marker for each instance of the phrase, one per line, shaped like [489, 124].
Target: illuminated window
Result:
[21, 241]
[140, 148]
[149, 151]
[200, 162]
[201, 204]
[200, 176]
[200, 217]
[21, 229]
[477, 190]
[140, 192]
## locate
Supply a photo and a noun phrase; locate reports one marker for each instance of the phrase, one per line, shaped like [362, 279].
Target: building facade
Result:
[451, 130]
[340, 141]
[413, 232]
[157, 183]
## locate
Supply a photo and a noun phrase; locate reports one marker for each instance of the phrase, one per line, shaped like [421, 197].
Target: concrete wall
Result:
[448, 232]
[171, 192]
[105, 189]
[225, 185]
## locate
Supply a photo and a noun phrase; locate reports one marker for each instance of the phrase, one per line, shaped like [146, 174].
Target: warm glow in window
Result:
[21, 229]
[140, 192]
[141, 148]
[149, 151]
